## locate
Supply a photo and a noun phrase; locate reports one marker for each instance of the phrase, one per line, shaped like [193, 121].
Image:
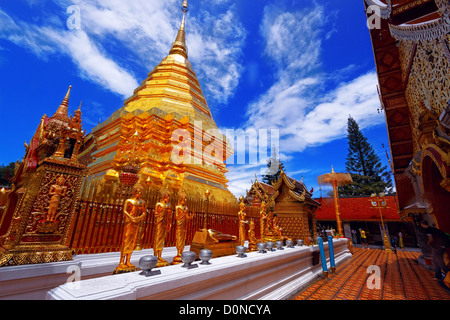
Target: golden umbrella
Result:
[335, 179]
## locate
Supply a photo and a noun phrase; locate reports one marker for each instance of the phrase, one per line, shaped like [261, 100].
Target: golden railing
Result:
[97, 225]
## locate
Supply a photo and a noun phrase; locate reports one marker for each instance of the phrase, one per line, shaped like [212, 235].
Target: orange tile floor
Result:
[402, 278]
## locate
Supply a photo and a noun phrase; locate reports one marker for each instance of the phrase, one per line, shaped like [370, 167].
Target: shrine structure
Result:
[292, 203]
[411, 40]
[38, 213]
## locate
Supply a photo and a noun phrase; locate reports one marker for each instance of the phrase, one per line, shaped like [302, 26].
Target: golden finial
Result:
[332, 169]
[66, 98]
[62, 111]
[179, 46]
[184, 7]
[68, 93]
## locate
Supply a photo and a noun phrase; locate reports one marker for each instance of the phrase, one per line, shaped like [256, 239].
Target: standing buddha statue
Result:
[242, 221]
[252, 236]
[182, 217]
[134, 211]
[162, 226]
[57, 191]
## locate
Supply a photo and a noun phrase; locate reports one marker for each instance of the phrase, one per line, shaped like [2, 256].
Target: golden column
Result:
[379, 202]
[336, 180]
[205, 218]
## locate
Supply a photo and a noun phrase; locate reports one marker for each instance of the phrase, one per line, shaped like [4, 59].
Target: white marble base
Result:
[273, 275]
[32, 282]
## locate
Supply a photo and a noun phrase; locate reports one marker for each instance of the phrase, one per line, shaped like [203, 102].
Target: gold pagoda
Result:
[167, 102]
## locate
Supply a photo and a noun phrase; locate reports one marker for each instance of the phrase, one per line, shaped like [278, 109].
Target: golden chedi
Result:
[168, 111]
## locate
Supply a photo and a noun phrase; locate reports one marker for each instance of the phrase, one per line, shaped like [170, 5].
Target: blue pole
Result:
[330, 247]
[322, 256]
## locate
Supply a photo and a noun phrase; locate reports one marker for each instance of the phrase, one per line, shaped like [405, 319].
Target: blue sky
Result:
[301, 67]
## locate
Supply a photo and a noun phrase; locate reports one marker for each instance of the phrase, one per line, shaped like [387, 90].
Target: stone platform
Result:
[33, 281]
[272, 275]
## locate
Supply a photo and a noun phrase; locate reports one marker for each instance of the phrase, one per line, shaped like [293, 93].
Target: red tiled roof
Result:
[357, 209]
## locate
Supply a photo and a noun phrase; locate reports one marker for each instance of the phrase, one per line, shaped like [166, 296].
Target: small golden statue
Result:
[163, 223]
[134, 211]
[182, 217]
[252, 241]
[242, 222]
[57, 191]
[277, 230]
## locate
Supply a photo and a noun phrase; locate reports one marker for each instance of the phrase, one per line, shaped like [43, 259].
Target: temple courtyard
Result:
[402, 278]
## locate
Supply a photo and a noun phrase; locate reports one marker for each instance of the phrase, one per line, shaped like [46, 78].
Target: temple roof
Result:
[297, 189]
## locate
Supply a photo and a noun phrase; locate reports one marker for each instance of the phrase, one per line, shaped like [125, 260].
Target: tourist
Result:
[354, 237]
[363, 238]
[394, 244]
[438, 241]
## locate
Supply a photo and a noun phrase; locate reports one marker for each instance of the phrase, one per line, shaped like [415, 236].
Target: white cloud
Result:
[119, 39]
[241, 177]
[94, 64]
[296, 103]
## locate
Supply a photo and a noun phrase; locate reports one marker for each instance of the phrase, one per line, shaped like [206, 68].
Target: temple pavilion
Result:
[290, 200]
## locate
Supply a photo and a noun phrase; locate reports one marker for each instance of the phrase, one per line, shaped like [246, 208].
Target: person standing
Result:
[363, 238]
[438, 241]
[400, 240]
[354, 237]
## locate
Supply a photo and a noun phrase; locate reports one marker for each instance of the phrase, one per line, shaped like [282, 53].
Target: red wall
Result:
[359, 209]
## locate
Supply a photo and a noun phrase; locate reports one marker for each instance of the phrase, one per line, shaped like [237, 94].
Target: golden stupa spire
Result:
[179, 46]
[63, 110]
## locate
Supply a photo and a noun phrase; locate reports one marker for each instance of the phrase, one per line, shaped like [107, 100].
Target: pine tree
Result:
[368, 174]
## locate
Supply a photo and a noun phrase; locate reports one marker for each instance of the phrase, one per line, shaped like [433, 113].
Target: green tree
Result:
[6, 173]
[368, 174]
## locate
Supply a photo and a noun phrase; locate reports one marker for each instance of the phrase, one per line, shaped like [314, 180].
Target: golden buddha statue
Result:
[252, 236]
[163, 223]
[276, 229]
[134, 211]
[182, 217]
[57, 191]
[220, 237]
[242, 222]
